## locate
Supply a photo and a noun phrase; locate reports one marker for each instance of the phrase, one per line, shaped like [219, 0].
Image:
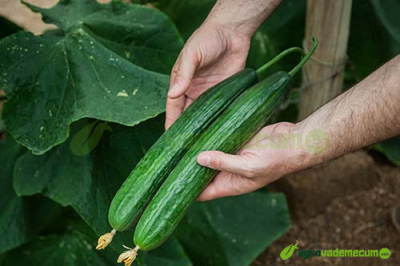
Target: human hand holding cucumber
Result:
[253, 168]
[215, 51]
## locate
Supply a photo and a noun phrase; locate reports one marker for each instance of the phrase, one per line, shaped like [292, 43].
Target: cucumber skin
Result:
[158, 162]
[235, 127]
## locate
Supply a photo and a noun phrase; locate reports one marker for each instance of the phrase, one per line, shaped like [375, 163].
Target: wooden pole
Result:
[329, 21]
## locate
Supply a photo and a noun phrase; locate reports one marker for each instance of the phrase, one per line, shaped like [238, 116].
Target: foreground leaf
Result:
[69, 248]
[74, 246]
[233, 231]
[391, 149]
[110, 65]
[87, 183]
[20, 218]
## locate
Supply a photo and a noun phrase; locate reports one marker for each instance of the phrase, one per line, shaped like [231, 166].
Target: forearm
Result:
[365, 114]
[242, 16]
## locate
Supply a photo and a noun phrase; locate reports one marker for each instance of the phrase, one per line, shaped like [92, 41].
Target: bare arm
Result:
[363, 115]
[242, 16]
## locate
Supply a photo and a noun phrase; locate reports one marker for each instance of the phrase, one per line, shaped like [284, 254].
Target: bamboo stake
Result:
[329, 21]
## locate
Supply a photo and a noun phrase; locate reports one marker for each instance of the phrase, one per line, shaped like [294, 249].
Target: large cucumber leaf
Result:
[111, 64]
[21, 218]
[87, 183]
[74, 246]
[235, 230]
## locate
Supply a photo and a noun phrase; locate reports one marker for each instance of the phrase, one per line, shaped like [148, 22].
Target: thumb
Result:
[182, 74]
[217, 160]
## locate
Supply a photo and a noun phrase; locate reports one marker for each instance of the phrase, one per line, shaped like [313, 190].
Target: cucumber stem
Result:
[261, 70]
[129, 256]
[305, 58]
[105, 240]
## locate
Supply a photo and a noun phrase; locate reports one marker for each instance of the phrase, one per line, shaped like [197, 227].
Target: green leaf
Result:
[72, 247]
[67, 13]
[233, 231]
[87, 183]
[283, 29]
[187, 15]
[171, 253]
[391, 149]
[370, 44]
[86, 139]
[110, 65]
[20, 218]
[388, 13]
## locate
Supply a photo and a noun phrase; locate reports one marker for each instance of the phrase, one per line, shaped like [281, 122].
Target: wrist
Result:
[313, 146]
[240, 16]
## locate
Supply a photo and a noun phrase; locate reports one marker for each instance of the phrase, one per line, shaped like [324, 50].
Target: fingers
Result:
[234, 164]
[226, 184]
[174, 110]
[182, 73]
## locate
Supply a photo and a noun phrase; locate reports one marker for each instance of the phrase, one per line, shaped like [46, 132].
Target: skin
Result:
[363, 115]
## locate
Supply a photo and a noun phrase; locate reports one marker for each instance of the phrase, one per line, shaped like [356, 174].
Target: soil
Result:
[343, 204]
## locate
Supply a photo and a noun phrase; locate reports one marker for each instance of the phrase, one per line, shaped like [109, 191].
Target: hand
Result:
[212, 54]
[257, 164]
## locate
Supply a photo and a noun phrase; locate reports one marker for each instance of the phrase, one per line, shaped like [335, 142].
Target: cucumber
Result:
[235, 127]
[162, 157]
[158, 162]
[230, 131]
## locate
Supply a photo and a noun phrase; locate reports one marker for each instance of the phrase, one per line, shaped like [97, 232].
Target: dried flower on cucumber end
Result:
[129, 256]
[105, 240]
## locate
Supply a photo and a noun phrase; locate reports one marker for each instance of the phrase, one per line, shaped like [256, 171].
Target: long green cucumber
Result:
[162, 157]
[157, 163]
[236, 126]
[229, 132]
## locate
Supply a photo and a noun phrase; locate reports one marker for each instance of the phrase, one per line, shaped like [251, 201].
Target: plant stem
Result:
[305, 58]
[3, 98]
[263, 68]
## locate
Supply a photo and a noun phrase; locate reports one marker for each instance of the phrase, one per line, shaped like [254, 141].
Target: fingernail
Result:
[204, 160]
[174, 90]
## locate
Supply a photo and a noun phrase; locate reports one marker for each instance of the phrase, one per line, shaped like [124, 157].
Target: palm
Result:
[264, 165]
[208, 57]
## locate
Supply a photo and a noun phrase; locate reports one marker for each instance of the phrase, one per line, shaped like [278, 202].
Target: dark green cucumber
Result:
[155, 166]
[241, 121]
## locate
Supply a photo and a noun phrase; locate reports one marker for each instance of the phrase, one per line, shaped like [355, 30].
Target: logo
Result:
[317, 141]
[384, 253]
[288, 251]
